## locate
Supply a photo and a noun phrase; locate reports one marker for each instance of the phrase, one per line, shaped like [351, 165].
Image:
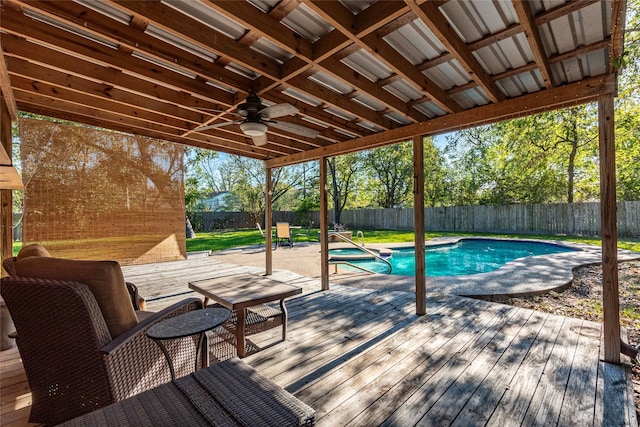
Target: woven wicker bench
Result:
[229, 393]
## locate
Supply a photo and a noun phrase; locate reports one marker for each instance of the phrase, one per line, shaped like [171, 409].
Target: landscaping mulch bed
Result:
[583, 299]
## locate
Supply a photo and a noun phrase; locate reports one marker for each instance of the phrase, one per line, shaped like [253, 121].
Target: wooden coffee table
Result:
[241, 291]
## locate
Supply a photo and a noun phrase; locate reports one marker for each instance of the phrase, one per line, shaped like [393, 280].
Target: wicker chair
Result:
[73, 364]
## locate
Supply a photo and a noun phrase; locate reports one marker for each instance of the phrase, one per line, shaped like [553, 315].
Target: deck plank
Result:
[498, 373]
[362, 357]
[515, 402]
[405, 389]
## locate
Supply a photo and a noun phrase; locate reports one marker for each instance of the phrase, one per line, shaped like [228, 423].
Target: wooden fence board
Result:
[557, 218]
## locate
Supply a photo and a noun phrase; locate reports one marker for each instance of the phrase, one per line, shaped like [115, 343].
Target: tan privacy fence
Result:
[93, 194]
[560, 218]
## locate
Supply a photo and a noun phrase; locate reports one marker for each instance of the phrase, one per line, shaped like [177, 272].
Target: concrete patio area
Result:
[524, 276]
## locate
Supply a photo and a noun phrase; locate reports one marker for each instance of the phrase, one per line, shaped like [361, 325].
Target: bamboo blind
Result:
[94, 194]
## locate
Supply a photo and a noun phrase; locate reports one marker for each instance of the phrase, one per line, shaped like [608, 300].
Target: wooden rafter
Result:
[342, 19]
[523, 9]
[263, 25]
[433, 18]
[559, 97]
[5, 88]
[160, 72]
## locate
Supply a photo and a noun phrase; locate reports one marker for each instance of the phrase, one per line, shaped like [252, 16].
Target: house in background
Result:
[217, 202]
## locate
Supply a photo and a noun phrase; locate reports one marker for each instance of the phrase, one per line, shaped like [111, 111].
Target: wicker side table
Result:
[195, 322]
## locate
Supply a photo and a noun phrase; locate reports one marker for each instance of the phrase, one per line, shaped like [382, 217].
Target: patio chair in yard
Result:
[82, 344]
[283, 234]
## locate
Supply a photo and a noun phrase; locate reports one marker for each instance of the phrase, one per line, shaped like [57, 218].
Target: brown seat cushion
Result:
[34, 249]
[104, 279]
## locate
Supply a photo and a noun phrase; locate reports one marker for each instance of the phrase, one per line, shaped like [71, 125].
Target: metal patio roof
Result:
[361, 73]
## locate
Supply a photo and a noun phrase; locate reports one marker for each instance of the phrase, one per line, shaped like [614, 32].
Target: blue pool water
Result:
[468, 256]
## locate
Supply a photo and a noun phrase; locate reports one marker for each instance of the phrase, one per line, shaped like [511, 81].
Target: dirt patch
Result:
[583, 300]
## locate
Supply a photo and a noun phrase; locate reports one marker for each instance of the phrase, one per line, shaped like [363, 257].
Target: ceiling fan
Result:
[257, 117]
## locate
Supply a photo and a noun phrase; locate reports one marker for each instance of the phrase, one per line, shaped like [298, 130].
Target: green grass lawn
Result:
[228, 239]
[216, 241]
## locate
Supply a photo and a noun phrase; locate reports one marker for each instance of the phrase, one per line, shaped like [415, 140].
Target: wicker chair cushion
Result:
[104, 279]
[34, 249]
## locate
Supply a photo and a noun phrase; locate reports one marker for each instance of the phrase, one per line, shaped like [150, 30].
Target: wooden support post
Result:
[324, 227]
[6, 196]
[268, 223]
[418, 224]
[609, 230]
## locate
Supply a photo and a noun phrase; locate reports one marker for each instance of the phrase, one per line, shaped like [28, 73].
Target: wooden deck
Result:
[362, 357]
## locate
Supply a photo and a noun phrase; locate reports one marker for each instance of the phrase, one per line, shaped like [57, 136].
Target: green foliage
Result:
[216, 241]
[343, 180]
[390, 169]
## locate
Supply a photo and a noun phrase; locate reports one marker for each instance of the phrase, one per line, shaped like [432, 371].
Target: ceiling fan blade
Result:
[261, 140]
[216, 125]
[278, 110]
[294, 128]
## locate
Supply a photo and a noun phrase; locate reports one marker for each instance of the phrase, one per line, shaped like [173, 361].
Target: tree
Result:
[435, 185]
[342, 180]
[627, 119]
[391, 168]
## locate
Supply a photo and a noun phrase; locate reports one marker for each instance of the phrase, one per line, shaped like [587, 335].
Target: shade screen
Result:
[94, 194]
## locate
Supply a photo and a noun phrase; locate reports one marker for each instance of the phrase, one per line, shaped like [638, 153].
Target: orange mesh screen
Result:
[92, 194]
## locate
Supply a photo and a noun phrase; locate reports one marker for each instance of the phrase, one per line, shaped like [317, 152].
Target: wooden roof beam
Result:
[202, 35]
[558, 97]
[525, 16]
[618, 9]
[437, 23]
[74, 45]
[273, 30]
[315, 113]
[5, 88]
[53, 107]
[342, 19]
[133, 37]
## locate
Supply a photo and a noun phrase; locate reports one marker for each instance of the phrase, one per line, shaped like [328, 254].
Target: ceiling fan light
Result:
[253, 129]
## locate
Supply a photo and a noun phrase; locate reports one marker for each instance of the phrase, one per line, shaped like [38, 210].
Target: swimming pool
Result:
[467, 256]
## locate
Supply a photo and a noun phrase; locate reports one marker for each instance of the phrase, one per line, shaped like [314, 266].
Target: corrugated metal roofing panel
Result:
[369, 102]
[471, 98]
[264, 5]
[340, 113]
[448, 74]
[509, 53]
[370, 126]
[357, 6]
[181, 43]
[70, 28]
[330, 82]
[516, 50]
[271, 50]
[427, 108]
[527, 82]
[463, 18]
[398, 118]
[364, 63]
[473, 20]
[415, 42]
[107, 10]
[201, 12]
[167, 65]
[239, 69]
[404, 90]
[302, 97]
[307, 23]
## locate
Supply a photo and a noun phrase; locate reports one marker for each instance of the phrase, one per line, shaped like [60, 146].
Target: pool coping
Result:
[520, 277]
